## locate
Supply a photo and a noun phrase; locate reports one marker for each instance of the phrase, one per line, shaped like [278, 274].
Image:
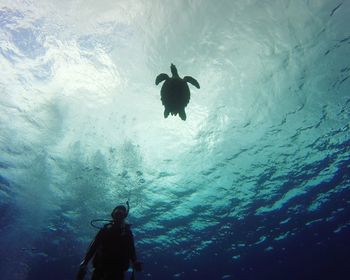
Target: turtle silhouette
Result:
[175, 93]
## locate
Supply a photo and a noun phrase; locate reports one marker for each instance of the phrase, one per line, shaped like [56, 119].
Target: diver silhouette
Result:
[175, 93]
[112, 250]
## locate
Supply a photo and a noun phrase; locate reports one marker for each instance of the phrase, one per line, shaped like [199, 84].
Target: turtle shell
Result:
[175, 95]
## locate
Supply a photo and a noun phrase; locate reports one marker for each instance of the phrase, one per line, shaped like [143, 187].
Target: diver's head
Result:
[173, 70]
[119, 213]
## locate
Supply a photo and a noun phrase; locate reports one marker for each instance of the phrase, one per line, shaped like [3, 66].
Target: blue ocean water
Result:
[254, 185]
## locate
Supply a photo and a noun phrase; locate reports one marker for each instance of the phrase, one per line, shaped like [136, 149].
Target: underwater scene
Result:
[224, 124]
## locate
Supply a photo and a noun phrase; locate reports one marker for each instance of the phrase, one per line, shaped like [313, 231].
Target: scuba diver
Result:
[112, 250]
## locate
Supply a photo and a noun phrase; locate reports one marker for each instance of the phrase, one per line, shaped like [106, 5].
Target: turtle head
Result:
[174, 70]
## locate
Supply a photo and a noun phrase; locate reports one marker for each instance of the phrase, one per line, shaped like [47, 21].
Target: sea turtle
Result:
[175, 93]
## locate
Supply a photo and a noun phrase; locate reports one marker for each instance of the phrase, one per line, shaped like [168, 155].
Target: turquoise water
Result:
[253, 185]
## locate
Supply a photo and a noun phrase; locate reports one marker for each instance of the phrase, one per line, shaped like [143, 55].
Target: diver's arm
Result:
[137, 265]
[93, 247]
[90, 253]
[132, 248]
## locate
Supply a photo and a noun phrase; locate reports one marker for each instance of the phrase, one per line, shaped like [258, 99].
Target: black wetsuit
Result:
[112, 250]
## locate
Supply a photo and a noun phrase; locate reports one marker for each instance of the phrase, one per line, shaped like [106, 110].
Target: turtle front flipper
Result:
[161, 77]
[192, 81]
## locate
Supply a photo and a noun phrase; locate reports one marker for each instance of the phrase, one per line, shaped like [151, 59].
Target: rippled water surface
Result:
[254, 185]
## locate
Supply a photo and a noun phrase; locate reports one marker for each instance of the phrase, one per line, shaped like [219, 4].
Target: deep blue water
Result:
[254, 185]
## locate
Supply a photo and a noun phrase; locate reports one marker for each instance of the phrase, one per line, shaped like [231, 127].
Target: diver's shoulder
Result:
[108, 226]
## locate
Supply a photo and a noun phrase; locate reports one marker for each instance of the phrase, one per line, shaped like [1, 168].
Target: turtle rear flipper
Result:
[161, 77]
[192, 81]
[182, 114]
[166, 113]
